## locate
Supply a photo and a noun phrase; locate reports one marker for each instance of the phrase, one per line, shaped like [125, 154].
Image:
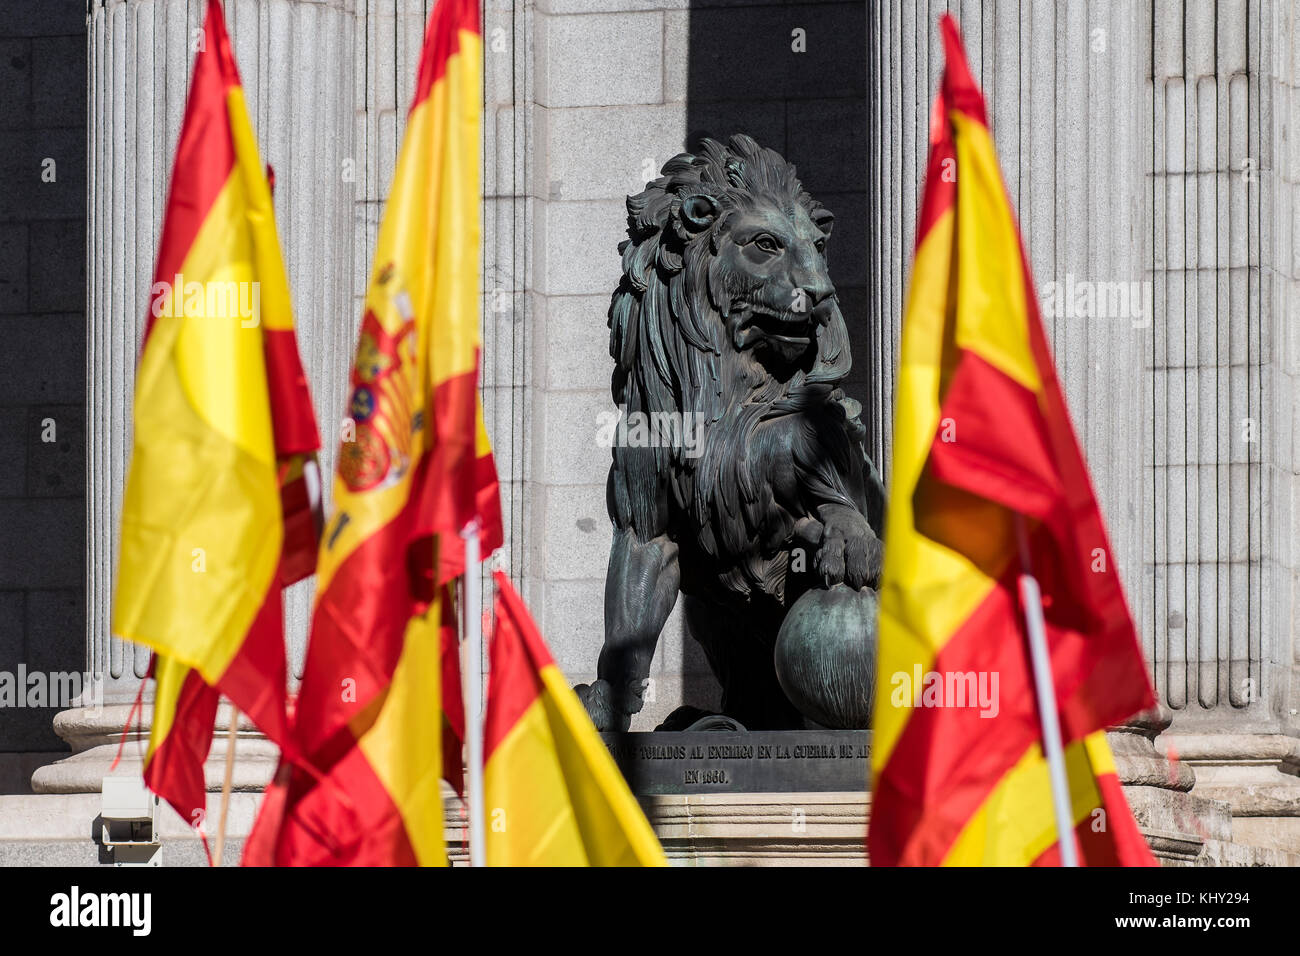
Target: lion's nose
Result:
[821, 291]
[817, 288]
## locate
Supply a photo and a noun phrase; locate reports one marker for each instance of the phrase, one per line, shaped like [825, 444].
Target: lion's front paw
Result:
[598, 698]
[850, 552]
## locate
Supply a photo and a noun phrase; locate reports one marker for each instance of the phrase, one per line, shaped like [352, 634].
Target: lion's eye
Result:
[767, 243]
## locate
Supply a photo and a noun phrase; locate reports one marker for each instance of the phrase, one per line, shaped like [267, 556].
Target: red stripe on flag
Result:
[461, 486]
[957, 91]
[292, 416]
[1019, 455]
[259, 848]
[518, 654]
[359, 624]
[940, 193]
[960, 91]
[442, 42]
[451, 550]
[175, 769]
[302, 526]
[205, 155]
[317, 828]
[255, 678]
[1112, 839]
[949, 759]
[453, 706]
[1003, 451]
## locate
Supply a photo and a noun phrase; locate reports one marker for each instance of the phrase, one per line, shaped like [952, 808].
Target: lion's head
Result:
[725, 310]
[726, 256]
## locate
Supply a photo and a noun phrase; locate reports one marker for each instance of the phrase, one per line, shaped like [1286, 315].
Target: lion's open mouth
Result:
[783, 330]
[788, 335]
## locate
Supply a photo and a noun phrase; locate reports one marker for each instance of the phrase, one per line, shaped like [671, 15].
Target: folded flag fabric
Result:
[988, 482]
[553, 795]
[218, 511]
[372, 719]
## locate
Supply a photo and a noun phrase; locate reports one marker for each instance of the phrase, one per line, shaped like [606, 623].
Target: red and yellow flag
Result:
[984, 449]
[217, 515]
[553, 795]
[369, 718]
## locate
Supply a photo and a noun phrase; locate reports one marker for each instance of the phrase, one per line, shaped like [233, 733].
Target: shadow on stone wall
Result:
[794, 77]
[43, 362]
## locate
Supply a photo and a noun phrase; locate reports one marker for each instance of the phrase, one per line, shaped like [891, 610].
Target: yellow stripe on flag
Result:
[1016, 824]
[555, 797]
[992, 316]
[201, 520]
[927, 589]
[404, 743]
[169, 677]
[432, 217]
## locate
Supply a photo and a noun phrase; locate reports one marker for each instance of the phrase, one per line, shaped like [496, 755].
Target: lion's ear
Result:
[699, 211]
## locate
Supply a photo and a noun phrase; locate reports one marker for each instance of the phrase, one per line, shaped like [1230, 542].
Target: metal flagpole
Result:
[473, 693]
[1031, 597]
[231, 736]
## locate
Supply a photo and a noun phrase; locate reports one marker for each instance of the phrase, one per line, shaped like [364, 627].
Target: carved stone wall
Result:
[1061, 82]
[1222, 460]
[42, 370]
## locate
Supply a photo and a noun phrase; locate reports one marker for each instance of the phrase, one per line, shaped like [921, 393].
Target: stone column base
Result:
[1256, 775]
[1178, 826]
[95, 733]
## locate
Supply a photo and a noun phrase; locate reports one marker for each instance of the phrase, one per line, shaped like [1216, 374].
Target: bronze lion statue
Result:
[726, 325]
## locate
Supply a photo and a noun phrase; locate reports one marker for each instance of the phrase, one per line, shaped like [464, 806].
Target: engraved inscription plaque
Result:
[776, 761]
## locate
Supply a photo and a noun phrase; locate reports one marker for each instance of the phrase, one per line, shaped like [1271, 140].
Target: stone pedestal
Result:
[1255, 776]
[761, 829]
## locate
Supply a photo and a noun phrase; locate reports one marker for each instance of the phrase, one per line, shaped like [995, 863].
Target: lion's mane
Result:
[673, 353]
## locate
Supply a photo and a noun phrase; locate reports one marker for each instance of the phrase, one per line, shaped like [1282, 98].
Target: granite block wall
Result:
[42, 355]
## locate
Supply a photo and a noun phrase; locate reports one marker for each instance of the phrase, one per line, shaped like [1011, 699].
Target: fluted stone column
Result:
[1062, 83]
[1225, 107]
[296, 60]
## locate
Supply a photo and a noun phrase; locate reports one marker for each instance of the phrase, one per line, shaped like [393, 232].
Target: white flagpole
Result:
[473, 693]
[1031, 597]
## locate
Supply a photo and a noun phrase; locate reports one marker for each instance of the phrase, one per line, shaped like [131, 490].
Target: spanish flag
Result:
[415, 467]
[989, 482]
[217, 515]
[553, 795]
